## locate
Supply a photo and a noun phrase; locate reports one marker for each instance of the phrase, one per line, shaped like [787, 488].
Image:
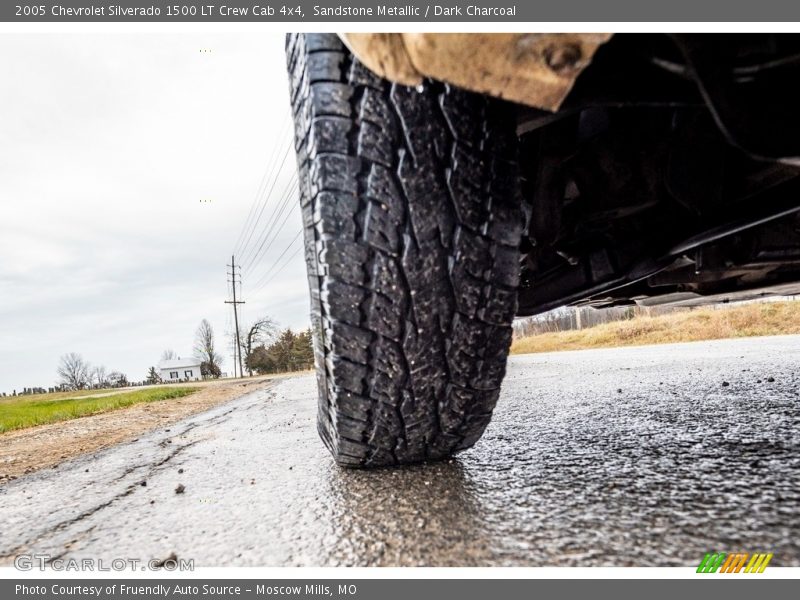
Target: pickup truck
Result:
[451, 182]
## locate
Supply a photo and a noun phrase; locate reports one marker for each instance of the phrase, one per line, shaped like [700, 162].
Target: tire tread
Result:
[412, 219]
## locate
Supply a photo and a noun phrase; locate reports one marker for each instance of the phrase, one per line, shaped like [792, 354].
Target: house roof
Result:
[179, 363]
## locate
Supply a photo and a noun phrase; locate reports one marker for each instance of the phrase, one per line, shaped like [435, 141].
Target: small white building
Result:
[180, 369]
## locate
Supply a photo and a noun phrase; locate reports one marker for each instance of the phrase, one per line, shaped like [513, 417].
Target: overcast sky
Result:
[108, 144]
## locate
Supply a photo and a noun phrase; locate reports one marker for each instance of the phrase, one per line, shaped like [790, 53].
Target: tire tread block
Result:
[411, 208]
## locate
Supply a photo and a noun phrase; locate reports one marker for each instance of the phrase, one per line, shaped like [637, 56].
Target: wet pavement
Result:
[637, 456]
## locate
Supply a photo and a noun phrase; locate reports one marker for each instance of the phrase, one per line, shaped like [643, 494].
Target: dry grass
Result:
[772, 318]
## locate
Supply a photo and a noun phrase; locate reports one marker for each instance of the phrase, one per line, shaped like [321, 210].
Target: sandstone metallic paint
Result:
[537, 69]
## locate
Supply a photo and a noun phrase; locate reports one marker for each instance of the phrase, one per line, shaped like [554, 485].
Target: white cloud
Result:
[110, 142]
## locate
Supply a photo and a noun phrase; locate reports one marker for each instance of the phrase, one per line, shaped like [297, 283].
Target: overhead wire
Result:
[259, 234]
[245, 251]
[289, 201]
[288, 260]
[267, 176]
[265, 277]
[269, 233]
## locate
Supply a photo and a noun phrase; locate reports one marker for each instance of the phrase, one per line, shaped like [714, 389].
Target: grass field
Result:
[97, 392]
[26, 411]
[62, 395]
[747, 320]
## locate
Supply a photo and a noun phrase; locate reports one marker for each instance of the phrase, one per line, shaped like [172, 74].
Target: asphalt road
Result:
[638, 456]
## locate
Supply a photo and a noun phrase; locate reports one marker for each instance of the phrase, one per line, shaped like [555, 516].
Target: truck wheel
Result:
[413, 216]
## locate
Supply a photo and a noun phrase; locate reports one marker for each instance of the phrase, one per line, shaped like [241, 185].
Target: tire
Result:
[412, 217]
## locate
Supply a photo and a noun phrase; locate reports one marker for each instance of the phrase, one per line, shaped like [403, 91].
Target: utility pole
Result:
[235, 303]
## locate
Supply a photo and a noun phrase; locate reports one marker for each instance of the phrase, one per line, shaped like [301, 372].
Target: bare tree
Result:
[204, 350]
[99, 376]
[168, 354]
[260, 333]
[117, 379]
[74, 371]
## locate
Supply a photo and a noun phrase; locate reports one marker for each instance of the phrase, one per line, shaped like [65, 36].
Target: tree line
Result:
[265, 349]
[289, 351]
[76, 373]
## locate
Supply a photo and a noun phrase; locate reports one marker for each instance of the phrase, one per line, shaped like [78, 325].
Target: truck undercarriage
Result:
[670, 171]
[450, 182]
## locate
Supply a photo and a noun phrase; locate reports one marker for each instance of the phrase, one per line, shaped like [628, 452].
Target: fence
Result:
[572, 318]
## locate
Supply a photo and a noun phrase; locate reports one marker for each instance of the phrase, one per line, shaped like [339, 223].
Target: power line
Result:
[261, 186]
[254, 240]
[277, 210]
[280, 256]
[272, 221]
[268, 173]
[289, 200]
[289, 260]
[267, 197]
[263, 281]
[244, 251]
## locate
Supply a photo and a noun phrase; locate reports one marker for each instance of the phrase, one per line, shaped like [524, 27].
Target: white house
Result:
[180, 369]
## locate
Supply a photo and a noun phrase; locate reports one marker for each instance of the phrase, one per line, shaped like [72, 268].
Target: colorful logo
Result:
[734, 562]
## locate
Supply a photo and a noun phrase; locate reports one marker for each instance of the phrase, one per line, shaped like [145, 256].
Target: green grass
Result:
[62, 395]
[27, 411]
